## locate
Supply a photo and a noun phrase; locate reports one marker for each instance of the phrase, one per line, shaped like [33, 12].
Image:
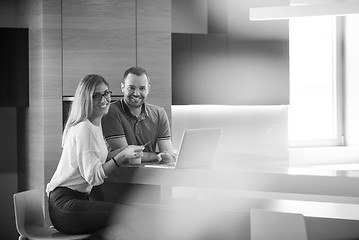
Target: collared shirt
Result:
[151, 125]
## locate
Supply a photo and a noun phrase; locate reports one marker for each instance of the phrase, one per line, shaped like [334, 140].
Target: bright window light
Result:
[313, 111]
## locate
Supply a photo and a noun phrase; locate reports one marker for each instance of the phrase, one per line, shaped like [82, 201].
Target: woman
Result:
[85, 162]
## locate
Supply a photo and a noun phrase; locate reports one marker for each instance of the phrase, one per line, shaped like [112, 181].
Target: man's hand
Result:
[167, 157]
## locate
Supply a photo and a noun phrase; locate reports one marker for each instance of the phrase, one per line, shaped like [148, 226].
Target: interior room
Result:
[278, 77]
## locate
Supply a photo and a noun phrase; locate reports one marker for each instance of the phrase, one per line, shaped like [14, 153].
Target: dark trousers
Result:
[73, 212]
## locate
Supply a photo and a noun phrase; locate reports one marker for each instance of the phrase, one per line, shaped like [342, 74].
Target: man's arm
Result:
[116, 143]
[149, 156]
[165, 145]
[167, 154]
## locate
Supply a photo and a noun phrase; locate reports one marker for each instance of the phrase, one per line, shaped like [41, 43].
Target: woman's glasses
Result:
[98, 96]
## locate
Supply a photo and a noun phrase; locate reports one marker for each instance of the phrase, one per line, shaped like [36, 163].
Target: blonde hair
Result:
[82, 106]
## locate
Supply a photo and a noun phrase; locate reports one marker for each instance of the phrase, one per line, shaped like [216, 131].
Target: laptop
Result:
[197, 150]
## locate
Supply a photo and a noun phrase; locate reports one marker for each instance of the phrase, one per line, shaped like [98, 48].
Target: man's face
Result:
[135, 89]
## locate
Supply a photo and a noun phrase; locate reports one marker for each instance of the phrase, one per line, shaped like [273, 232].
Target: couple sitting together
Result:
[98, 137]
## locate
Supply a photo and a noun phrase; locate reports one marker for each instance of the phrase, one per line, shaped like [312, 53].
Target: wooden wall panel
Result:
[52, 72]
[98, 37]
[154, 48]
[69, 39]
[40, 124]
[31, 153]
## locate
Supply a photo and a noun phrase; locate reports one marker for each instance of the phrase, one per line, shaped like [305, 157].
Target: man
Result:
[131, 121]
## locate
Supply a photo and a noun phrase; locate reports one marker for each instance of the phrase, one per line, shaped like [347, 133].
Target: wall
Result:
[110, 36]
[259, 52]
[8, 145]
[7, 13]
[189, 16]
[259, 55]
[351, 85]
[42, 125]
[94, 35]
[154, 49]
[252, 136]
[8, 171]
[237, 62]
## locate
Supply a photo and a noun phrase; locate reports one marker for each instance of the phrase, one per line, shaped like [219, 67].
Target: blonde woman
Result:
[85, 162]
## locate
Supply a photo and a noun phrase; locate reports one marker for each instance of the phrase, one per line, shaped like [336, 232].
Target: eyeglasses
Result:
[98, 96]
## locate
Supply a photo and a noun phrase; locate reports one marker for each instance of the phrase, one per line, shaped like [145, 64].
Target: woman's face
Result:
[101, 100]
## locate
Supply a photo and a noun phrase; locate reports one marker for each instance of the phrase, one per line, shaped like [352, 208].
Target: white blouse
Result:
[80, 165]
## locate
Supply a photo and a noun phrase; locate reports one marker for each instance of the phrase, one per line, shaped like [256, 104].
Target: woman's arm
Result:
[113, 153]
[118, 156]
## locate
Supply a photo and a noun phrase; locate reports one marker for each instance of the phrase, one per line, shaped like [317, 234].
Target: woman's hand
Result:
[132, 151]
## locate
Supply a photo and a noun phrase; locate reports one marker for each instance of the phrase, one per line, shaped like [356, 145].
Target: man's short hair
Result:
[137, 71]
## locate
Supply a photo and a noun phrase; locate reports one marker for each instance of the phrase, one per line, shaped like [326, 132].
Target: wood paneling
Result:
[31, 155]
[52, 72]
[69, 39]
[154, 48]
[98, 37]
[41, 123]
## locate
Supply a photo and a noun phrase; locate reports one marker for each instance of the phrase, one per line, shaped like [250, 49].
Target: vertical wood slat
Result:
[52, 85]
[98, 37]
[41, 129]
[31, 153]
[154, 48]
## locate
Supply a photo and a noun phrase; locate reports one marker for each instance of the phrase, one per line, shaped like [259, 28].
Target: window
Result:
[315, 99]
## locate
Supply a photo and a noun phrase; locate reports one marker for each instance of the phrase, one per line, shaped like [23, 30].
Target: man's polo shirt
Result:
[151, 125]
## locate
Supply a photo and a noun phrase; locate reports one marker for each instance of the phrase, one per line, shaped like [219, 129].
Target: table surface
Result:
[333, 182]
[243, 205]
[341, 180]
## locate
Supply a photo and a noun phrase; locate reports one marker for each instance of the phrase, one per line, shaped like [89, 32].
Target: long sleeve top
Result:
[80, 165]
